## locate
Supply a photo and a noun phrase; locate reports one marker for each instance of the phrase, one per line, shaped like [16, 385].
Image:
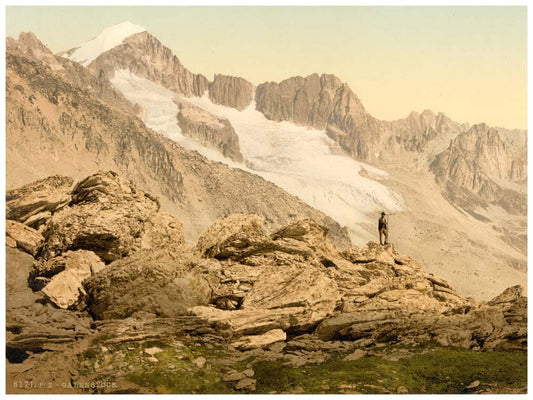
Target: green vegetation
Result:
[387, 370]
[175, 371]
[439, 371]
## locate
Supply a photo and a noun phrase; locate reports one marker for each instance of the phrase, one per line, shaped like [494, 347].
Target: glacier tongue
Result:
[304, 162]
[109, 38]
[308, 164]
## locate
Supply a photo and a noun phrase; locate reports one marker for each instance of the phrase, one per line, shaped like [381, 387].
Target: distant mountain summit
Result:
[109, 38]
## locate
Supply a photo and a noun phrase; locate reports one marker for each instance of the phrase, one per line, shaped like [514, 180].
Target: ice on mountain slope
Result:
[304, 162]
[106, 40]
[308, 164]
[161, 110]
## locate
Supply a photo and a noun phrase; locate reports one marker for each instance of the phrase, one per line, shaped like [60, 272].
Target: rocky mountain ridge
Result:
[316, 101]
[145, 56]
[31, 47]
[477, 162]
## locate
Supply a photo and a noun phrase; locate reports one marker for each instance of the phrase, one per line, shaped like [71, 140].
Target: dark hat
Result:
[383, 213]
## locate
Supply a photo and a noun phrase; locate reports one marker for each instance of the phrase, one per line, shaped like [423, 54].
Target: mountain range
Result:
[301, 148]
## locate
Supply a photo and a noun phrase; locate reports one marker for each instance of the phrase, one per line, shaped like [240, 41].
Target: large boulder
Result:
[294, 286]
[34, 203]
[107, 215]
[227, 229]
[291, 298]
[260, 341]
[32, 324]
[162, 230]
[241, 238]
[23, 237]
[252, 322]
[162, 282]
[19, 295]
[65, 288]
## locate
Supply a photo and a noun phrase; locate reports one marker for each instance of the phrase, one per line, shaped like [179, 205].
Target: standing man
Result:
[383, 230]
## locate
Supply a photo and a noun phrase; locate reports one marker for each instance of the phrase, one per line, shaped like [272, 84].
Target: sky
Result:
[468, 62]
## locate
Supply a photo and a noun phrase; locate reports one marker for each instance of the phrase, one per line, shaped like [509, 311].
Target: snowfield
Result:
[109, 38]
[304, 162]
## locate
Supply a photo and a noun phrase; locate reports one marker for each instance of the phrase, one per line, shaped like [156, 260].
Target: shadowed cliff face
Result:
[322, 102]
[231, 91]
[70, 131]
[209, 130]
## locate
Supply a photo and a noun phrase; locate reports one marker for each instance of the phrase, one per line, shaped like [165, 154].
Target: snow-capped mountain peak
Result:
[109, 38]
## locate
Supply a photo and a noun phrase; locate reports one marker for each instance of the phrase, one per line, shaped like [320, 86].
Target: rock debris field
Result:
[97, 275]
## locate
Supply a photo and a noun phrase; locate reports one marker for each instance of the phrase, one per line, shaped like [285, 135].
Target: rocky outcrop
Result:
[210, 243]
[32, 323]
[65, 288]
[247, 281]
[147, 58]
[323, 102]
[209, 130]
[231, 91]
[474, 168]
[245, 241]
[91, 221]
[34, 204]
[23, 237]
[161, 282]
[306, 101]
[28, 44]
[294, 280]
[242, 292]
[109, 219]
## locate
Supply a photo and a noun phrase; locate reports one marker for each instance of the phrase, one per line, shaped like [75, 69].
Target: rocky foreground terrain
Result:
[104, 295]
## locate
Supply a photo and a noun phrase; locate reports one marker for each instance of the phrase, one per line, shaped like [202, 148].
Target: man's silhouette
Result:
[383, 230]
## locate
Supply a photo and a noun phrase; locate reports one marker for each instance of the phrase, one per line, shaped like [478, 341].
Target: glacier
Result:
[305, 162]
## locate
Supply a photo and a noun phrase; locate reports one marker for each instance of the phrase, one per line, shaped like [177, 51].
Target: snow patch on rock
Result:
[109, 38]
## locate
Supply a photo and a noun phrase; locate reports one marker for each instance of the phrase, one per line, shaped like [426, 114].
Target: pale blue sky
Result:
[468, 62]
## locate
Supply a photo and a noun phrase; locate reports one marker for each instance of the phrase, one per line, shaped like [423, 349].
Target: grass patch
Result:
[440, 371]
[175, 371]
[431, 370]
